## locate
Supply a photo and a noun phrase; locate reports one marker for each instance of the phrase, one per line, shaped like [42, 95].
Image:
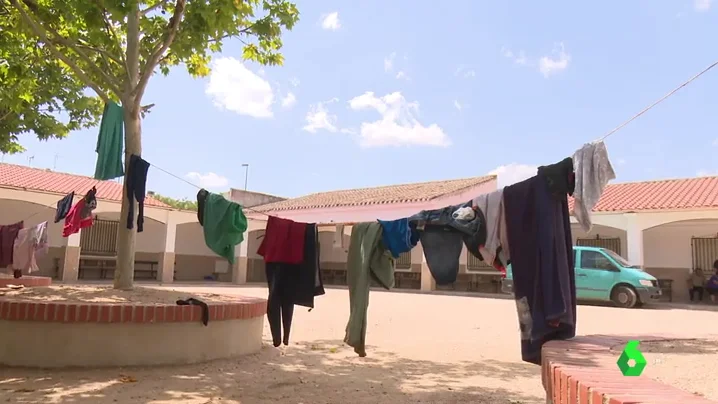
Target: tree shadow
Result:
[315, 372]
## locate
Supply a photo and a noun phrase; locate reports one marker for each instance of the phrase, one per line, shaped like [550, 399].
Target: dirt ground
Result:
[421, 349]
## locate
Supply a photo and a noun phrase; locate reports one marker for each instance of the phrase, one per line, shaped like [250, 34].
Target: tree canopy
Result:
[113, 47]
[184, 204]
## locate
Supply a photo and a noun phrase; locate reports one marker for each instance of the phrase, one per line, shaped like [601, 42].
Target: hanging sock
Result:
[63, 206]
[110, 143]
[136, 188]
[224, 225]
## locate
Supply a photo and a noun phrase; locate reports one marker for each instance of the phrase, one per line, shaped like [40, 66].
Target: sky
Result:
[387, 92]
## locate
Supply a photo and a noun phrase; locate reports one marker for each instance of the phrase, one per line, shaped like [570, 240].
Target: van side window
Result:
[595, 260]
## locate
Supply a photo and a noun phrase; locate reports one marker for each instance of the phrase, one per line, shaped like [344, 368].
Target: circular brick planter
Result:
[72, 334]
[583, 370]
[26, 281]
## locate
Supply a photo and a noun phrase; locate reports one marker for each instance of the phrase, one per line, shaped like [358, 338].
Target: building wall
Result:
[577, 232]
[668, 251]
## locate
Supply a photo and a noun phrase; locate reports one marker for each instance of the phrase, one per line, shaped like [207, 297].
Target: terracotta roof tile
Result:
[37, 179]
[406, 193]
[686, 193]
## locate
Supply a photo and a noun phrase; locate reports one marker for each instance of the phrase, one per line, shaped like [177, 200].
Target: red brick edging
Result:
[78, 312]
[583, 371]
[26, 281]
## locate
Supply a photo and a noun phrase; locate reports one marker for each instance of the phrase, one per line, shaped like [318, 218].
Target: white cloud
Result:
[331, 21]
[715, 142]
[402, 76]
[234, 87]
[389, 62]
[319, 117]
[289, 100]
[512, 173]
[294, 81]
[398, 125]
[458, 105]
[517, 57]
[706, 173]
[557, 62]
[209, 180]
[702, 5]
[464, 71]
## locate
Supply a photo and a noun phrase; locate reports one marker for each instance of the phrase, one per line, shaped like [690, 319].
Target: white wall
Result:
[12, 211]
[669, 245]
[190, 240]
[151, 240]
[602, 231]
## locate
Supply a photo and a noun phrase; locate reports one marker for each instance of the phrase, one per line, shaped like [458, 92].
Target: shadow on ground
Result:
[310, 373]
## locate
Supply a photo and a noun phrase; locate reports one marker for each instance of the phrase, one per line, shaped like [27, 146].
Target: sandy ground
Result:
[421, 349]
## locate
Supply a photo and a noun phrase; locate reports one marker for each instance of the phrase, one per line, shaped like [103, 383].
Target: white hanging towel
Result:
[593, 171]
[31, 243]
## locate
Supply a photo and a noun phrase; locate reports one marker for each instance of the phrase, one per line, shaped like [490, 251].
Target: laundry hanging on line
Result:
[223, 223]
[80, 215]
[291, 255]
[368, 259]
[8, 234]
[539, 237]
[31, 243]
[110, 143]
[525, 225]
[63, 206]
[136, 184]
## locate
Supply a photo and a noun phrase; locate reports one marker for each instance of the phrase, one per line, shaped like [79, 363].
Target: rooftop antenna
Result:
[54, 166]
[29, 160]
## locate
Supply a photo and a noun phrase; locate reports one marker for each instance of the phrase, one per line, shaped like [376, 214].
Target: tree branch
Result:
[170, 32]
[42, 34]
[111, 31]
[73, 45]
[101, 52]
[155, 7]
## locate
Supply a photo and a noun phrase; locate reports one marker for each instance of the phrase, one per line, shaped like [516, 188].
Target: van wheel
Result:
[624, 296]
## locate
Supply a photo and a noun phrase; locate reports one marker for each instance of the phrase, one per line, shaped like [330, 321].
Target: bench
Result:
[666, 286]
[476, 277]
[105, 265]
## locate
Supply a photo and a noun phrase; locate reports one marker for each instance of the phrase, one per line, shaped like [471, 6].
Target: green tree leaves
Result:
[55, 53]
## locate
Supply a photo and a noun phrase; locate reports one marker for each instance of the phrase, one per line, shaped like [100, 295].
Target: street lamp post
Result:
[246, 174]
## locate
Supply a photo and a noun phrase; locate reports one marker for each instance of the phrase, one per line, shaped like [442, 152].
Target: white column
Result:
[427, 280]
[634, 239]
[339, 236]
[239, 269]
[167, 257]
[69, 270]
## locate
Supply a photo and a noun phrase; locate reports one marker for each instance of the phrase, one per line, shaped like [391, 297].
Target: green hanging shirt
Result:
[109, 143]
[224, 225]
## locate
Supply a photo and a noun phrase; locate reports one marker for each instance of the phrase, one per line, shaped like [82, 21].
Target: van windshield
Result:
[620, 260]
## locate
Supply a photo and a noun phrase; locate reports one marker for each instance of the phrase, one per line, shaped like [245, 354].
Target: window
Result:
[595, 260]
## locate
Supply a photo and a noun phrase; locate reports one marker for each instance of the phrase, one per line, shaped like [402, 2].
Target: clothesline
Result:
[675, 90]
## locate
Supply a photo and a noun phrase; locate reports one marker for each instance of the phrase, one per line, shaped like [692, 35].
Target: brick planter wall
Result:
[584, 371]
[241, 308]
[26, 281]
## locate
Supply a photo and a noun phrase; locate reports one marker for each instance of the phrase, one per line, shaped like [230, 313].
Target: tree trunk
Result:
[125, 267]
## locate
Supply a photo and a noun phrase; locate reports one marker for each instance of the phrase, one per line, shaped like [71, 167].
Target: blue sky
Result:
[376, 93]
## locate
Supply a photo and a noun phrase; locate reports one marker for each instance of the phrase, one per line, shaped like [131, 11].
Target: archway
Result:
[671, 250]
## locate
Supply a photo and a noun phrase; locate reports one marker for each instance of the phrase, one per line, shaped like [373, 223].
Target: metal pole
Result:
[246, 175]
